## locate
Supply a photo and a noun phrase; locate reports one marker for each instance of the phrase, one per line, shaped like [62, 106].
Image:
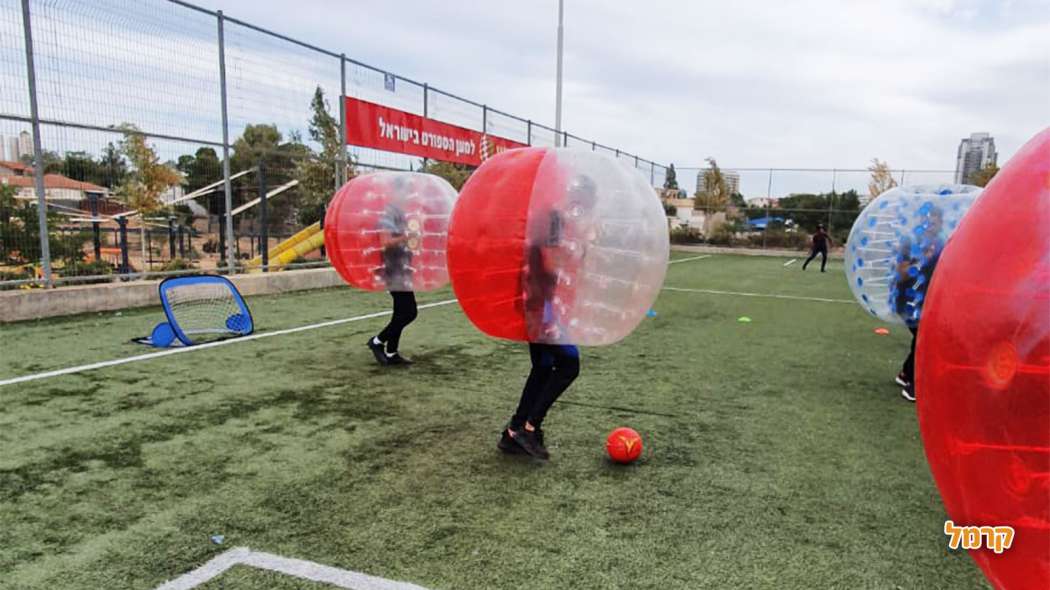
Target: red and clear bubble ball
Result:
[388, 231]
[983, 369]
[557, 246]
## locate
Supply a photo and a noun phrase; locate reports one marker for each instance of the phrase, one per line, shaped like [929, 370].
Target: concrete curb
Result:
[37, 304]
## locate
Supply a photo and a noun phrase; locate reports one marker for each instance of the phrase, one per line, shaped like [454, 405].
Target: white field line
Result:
[764, 295]
[689, 259]
[790, 262]
[378, 314]
[297, 568]
[172, 351]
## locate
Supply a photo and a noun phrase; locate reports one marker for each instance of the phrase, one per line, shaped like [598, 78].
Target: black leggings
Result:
[554, 368]
[909, 363]
[404, 313]
[813, 254]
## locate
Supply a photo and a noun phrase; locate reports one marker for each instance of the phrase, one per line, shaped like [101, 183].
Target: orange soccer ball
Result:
[624, 445]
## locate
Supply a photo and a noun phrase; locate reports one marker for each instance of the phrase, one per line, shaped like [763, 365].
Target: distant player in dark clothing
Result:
[554, 366]
[915, 265]
[820, 243]
[394, 236]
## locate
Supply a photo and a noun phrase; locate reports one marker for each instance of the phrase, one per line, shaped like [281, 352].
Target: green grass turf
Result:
[778, 454]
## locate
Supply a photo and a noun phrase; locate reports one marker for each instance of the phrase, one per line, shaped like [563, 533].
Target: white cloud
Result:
[807, 83]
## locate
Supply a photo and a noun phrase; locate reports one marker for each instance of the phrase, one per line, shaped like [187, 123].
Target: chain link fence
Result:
[141, 138]
[776, 208]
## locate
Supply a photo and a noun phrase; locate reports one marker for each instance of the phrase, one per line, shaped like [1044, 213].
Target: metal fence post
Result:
[652, 173]
[340, 175]
[38, 150]
[171, 238]
[95, 226]
[230, 257]
[594, 146]
[528, 132]
[324, 213]
[125, 267]
[769, 197]
[831, 199]
[426, 112]
[264, 222]
[484, 119]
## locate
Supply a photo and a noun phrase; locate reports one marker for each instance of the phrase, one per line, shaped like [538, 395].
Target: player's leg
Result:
[566, 369]
[385, 344]
[515, 439]
[907, 373]
[823, 258]
[812, 255]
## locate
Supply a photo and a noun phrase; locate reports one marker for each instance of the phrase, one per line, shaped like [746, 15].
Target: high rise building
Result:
[732, 180]
[975, 153]
[25, 145]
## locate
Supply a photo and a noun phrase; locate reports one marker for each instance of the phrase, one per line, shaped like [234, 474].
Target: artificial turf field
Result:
[778, 453]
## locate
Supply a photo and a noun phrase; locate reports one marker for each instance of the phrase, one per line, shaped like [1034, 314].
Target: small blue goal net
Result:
[199, 308]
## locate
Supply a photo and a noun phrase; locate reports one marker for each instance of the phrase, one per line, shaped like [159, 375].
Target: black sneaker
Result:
[378, 351]
[908, 393]
[508, 445]
[397, 359]
[902, 381]
[529, 443]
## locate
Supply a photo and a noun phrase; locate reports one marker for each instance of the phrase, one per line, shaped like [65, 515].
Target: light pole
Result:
[557, 100]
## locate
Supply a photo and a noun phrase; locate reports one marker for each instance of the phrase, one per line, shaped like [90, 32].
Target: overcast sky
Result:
[806, 83]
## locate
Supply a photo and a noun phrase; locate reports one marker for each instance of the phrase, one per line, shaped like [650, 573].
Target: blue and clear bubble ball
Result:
[895, 243]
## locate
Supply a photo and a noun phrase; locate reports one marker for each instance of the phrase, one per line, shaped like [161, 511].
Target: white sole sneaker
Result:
[901, 382]
[907, 395]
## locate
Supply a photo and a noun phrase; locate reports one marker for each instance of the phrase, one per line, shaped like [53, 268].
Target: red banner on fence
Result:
[383, 128]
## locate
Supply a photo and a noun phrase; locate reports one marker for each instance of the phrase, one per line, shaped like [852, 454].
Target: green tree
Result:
[810, 210]
[985, 175]
[316, 171]
[455, 174]
[149, 178]
[112, 167]
[20, 233]
[200, 169]
[280, 160]
[81, 166]
[671, 178]
[52, 161]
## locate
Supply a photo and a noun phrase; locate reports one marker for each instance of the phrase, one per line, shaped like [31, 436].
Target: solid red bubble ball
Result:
[388, 231]
[624, 445]
[983, 369]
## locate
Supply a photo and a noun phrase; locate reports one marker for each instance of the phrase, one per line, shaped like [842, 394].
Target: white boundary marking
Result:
[378, 314]
[688, 259]
[767, 295]
[169, 352]
[298, 568]
[790, 262]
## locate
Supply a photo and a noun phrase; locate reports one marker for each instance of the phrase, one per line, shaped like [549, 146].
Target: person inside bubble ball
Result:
[819, 244]
[555, 248]
[395, 237]
[916, 262]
